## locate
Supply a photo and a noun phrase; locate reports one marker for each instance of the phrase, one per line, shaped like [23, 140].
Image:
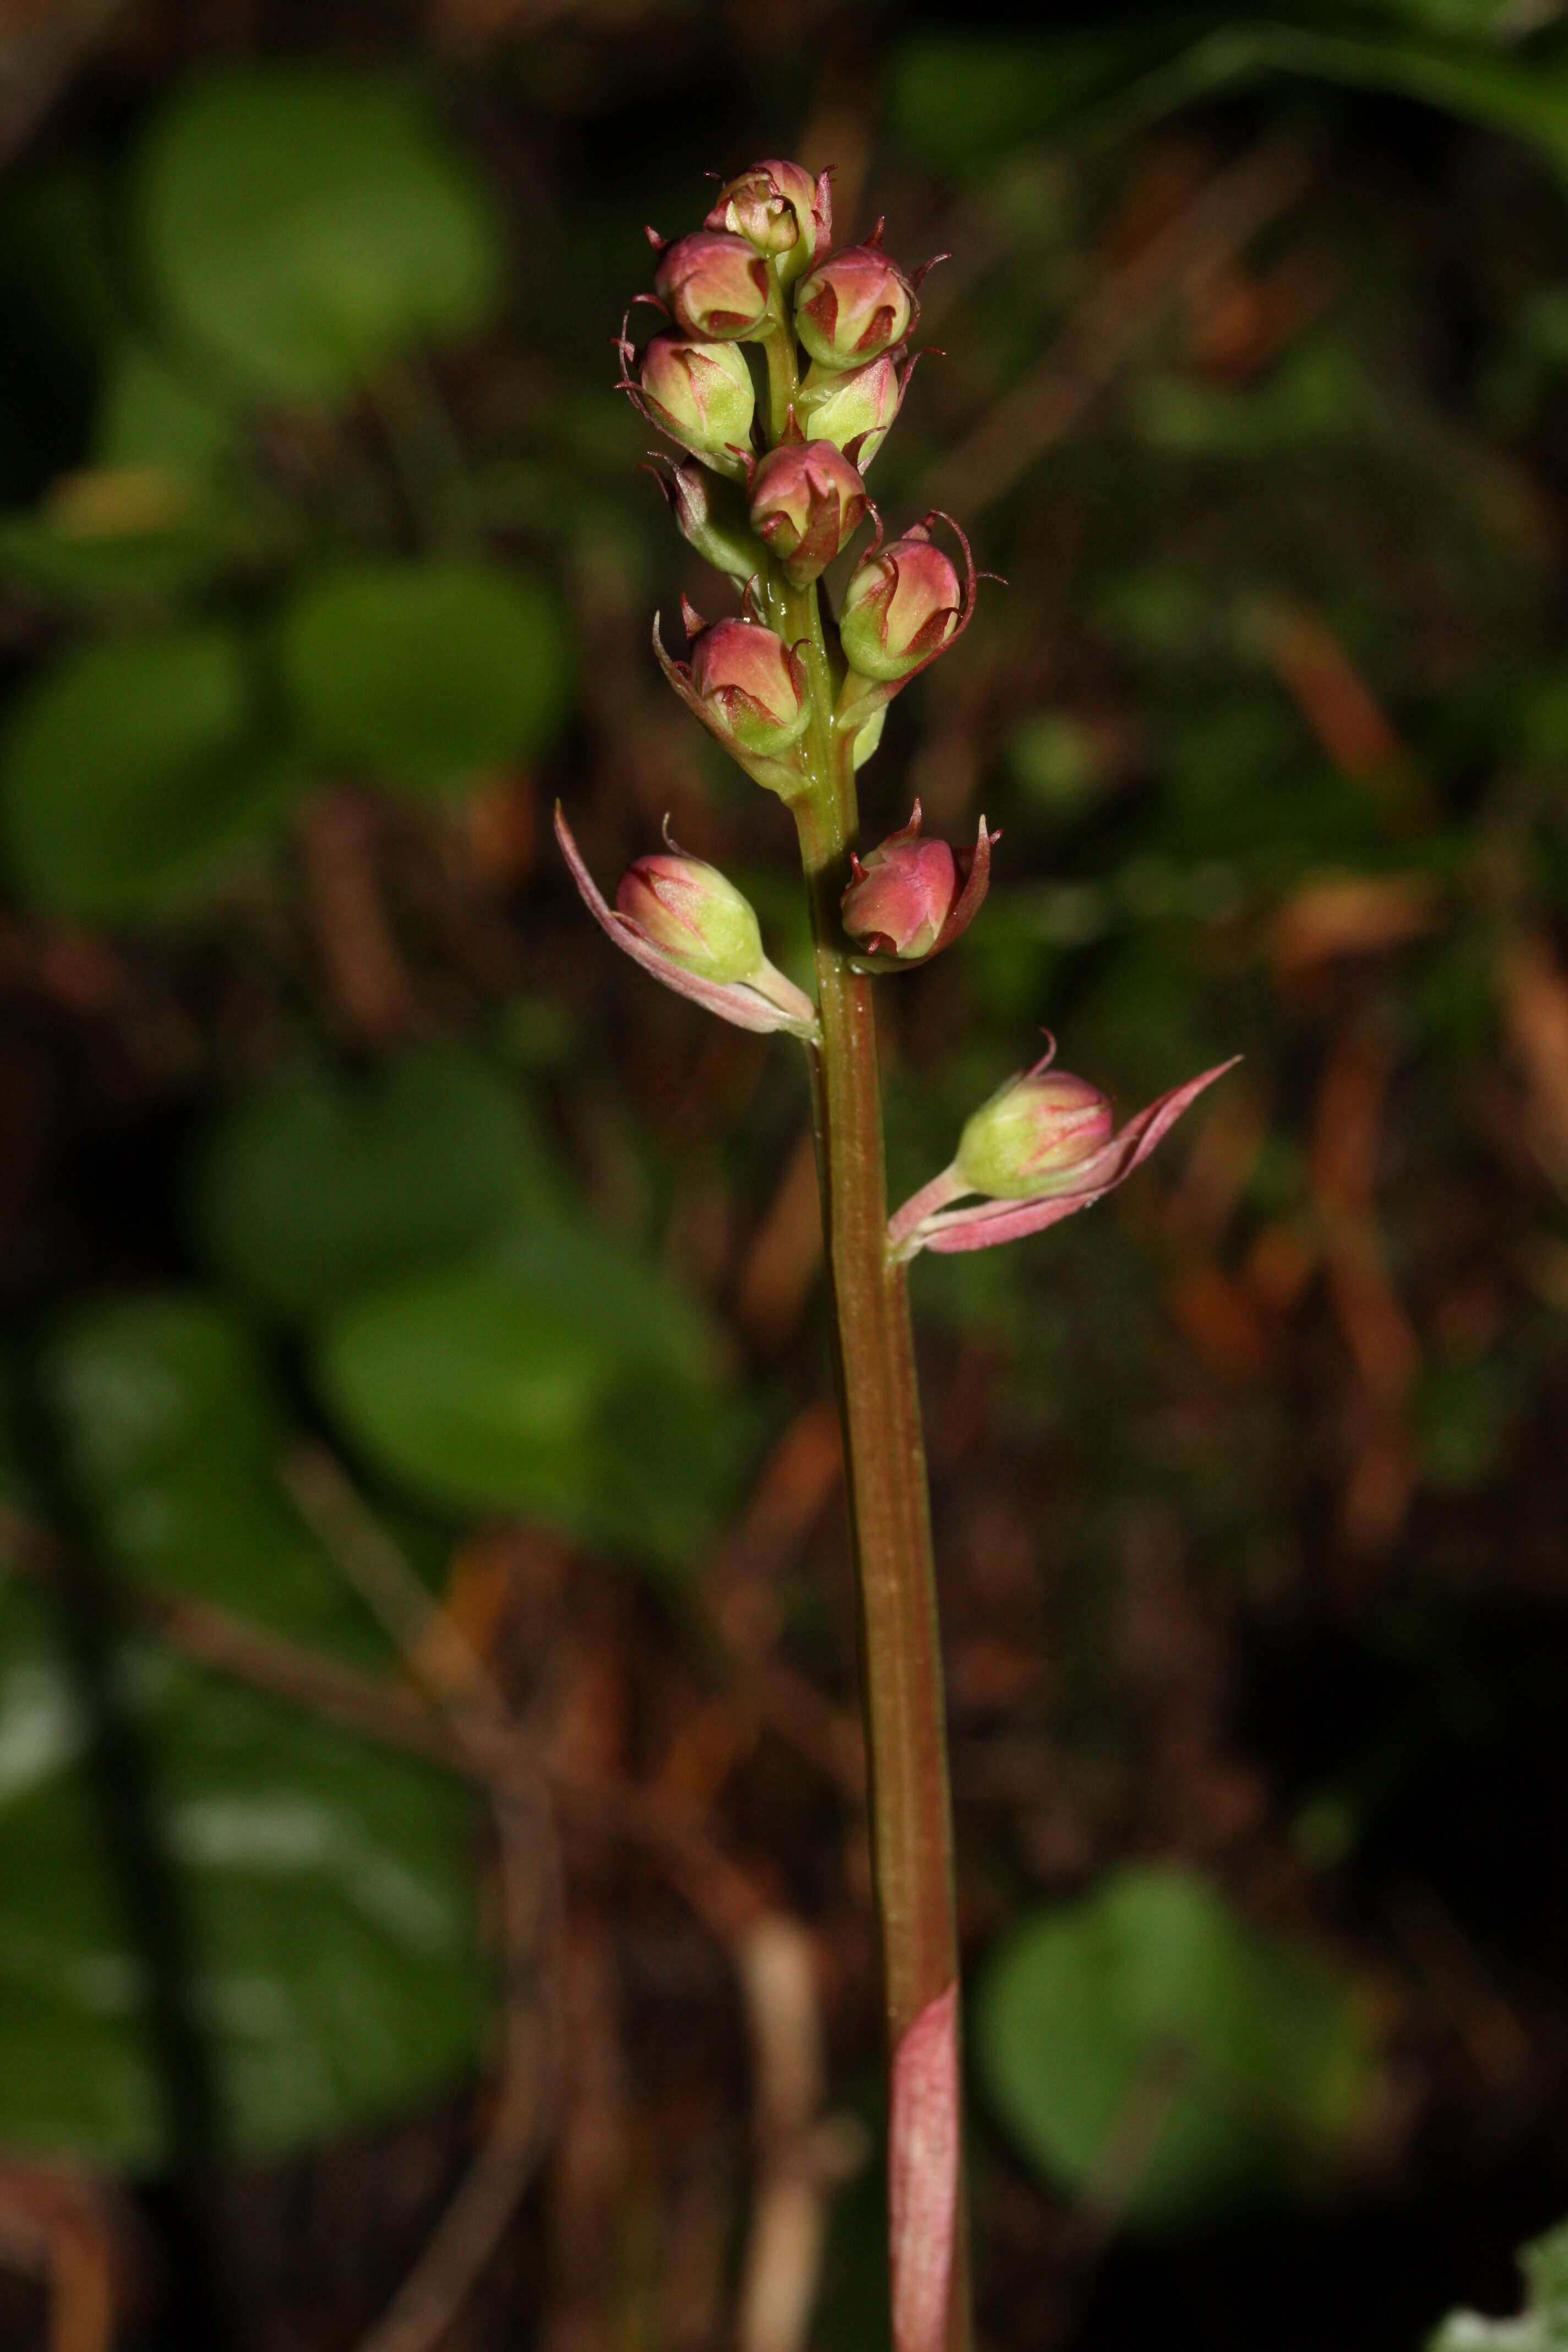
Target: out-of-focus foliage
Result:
[423, 676]
[301, 228]
[336, 1973]
[1148, 2049]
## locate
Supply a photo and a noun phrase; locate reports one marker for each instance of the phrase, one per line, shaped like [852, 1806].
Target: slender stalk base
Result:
[884, 1452]
[878, 1396]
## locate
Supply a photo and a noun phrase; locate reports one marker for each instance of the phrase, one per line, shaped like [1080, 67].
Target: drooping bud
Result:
[781, 211]
[694, 913]
[710, 515]
[853, 305]
[701, 395]
[1031, 1138]
[716, 286]
[901, 895]
[754, 685]
[807, 503]
[854, 411]
[901, 606]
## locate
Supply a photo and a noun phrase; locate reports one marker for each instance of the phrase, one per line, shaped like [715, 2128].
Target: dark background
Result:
[327, 1122]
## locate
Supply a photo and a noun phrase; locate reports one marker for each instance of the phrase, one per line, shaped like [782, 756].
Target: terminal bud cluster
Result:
[778, 370]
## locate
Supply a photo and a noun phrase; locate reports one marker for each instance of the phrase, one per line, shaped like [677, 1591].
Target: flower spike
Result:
[764, 1001]
[1048, 1142]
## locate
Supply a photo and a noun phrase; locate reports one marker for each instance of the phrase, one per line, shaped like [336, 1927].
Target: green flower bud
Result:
[711, 517]
[853, 410]
[901, 607]
[695, 914]
[854, 305]
[1032, 1137]
[702, 396]
[781, 211]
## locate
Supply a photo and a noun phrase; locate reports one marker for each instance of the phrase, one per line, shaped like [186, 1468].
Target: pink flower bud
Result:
[900, 897]
[901, 606]
[854, 411]
[808, 502]
[853, 306]
[695, 914]
[780, 210]
[716, 286]
[909, 898]
[701, 395]
[1030, 1139]
[754, 685]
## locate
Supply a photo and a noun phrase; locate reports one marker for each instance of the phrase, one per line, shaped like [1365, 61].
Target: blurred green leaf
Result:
[423, 675]
[318, 1183]
[329, 1891]
[560, 1377]
[961, 101]
[301, 226]
[1144, 2044]
[172, 1434]
[1542, 2326]
[150, 414]
[133, 778]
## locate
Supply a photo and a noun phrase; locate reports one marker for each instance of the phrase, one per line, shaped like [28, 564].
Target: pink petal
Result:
[736, 1003]
[922, 2174]
[1009, 1220]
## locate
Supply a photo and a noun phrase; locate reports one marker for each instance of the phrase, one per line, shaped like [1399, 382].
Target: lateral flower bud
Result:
[853, 306]
[807, 503]
[716, 286]
[900, 897]
[752, 686]
[901, 605]
[1031, 1138]
[1040, 1150]
[909, 897]
[701, 395]
[854, 411]
[781, 211]
[695, 914]
[762, 1000]
[710, 515]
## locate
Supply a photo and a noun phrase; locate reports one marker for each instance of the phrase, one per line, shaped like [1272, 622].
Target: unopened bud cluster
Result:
[780, 375]
[779, 371]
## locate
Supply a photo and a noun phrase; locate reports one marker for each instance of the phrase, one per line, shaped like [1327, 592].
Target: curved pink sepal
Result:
[922, 2174]
[746, 1007]
[948, 1231]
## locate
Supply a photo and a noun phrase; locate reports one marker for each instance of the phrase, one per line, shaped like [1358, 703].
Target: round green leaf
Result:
[171, 1431]
[318, 1183]
[1146, 2045]
[423, 675]
[300, 225]
[131, 778]
[561, 1379]
[327, 1889]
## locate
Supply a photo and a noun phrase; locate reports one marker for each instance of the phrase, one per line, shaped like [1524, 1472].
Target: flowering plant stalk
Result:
[770, 489]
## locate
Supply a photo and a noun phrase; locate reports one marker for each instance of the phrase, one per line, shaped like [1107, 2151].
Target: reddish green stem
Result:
[878, 1393]
[884, 1450]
